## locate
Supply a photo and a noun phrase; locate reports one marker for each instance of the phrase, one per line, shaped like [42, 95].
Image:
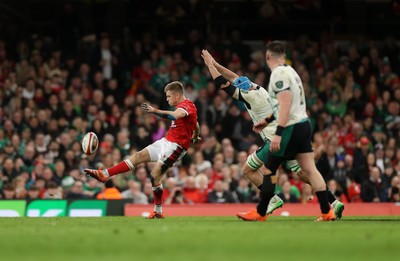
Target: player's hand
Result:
[208, 59]
[147, 108]
[260, 125]
[275, 143]
[197, 139]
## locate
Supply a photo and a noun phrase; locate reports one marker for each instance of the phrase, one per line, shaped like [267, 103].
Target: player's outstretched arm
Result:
[171, 115]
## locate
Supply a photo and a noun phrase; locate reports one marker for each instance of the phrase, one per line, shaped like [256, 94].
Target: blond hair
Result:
[174, 87]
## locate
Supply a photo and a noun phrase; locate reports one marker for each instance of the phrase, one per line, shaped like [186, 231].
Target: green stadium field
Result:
[199, 238]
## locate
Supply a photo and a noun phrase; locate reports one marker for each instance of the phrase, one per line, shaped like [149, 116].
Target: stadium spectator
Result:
[19, 187]
[371, 189]
[287, 195]
[220, 193]
[103, 58]
[148, 191]
[394, 191]
[76, 191]
[50, 97]
[177, 197]
[307, 195]
[134, 193]
[192, 193]
[336, 190]
[110, 192]
[360, 163]
[9, 191]
[243, 191]
[32, 193]
[91, 188]
[282, 179]
[53, 191]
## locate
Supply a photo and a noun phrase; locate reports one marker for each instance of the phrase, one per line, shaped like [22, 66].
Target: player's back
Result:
[259, 105]
[285, 78]
[181, 130]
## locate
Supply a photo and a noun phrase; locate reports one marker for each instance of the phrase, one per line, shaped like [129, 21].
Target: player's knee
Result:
[265, 171]
[140, 156]
[246, 170]
[135, 157]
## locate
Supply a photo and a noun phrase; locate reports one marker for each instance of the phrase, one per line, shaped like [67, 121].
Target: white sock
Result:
[130, 164]
[334, 203]
[158, 187]
[158, 209]
[105, 172]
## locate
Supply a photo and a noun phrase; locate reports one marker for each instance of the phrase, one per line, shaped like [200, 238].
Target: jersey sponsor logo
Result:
[279, 84]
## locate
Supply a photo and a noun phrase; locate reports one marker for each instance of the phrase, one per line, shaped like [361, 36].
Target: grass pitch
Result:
[199, 238]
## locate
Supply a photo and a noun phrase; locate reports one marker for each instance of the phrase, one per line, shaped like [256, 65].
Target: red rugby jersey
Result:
[181, 130]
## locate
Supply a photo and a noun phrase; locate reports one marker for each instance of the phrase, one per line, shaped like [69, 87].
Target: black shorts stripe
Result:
[173, 157]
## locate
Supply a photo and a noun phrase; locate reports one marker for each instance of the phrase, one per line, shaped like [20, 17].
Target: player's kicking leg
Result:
[129, 164]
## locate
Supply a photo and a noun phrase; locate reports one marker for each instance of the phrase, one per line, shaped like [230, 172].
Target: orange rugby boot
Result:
[330, 216]
[97, 174]
[155, 215]
[252, 215]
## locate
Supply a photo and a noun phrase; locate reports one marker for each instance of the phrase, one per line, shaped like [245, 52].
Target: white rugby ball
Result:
[90, 143]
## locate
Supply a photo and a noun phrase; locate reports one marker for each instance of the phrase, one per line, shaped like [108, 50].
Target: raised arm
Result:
[219, 79]
[228, 74]
[171, 115]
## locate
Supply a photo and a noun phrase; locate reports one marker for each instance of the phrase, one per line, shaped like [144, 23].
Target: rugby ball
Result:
[90, 143]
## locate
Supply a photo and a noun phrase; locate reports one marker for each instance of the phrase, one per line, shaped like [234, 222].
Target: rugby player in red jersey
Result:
[184, 128]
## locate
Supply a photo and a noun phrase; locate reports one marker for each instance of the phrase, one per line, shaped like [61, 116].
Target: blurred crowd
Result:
[50, 99]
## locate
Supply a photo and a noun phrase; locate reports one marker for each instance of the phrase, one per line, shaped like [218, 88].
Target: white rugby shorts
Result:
[165, 152]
